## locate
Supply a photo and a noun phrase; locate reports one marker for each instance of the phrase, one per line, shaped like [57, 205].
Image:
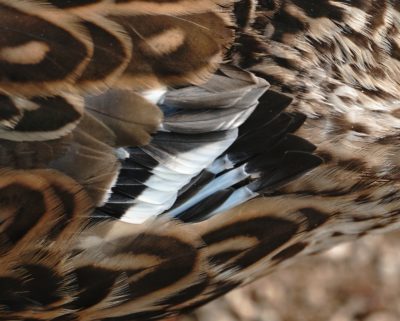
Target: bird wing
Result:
[210, 169]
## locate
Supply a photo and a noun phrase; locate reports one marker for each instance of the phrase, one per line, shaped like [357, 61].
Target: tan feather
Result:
[53, 68]
[131, 117]
[39, 118]
[104, 43]
[63, 183]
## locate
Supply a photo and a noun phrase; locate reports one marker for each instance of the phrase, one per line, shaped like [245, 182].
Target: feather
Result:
[139, 6]
[48, 66]
[90, 162]
[115, 271]
[173, 158]
[131, 117]
[39, 118]
[217, 166]
[130, 44]
[223, 92]
[51, 206]
[259, 173]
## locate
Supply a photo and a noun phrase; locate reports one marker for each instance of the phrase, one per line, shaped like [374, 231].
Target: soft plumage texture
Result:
[100, 45]
[86, 47]
[130, 116]
[83, 265]
[188, 155]
[68, 260]
[337, 60]
[39, 118]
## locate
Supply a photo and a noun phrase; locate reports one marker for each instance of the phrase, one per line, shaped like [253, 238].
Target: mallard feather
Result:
[157, 154]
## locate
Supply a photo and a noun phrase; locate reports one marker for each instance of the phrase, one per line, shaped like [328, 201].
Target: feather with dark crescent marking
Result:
[336, 62]
[39, 118]
[119, 45]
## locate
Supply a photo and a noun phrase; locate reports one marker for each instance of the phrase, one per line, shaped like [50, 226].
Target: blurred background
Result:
[357, 281]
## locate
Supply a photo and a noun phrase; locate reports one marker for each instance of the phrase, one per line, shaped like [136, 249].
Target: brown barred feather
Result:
[36, 63]
[63, 257]
[39, 118]
[174, 50]
[108, 41]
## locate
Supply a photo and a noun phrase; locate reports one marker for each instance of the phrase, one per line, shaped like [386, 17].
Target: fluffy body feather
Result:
[219, 173]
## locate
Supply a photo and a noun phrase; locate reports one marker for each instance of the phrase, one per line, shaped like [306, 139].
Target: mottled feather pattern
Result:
[82, 151]
[338, 60]
[108, 44]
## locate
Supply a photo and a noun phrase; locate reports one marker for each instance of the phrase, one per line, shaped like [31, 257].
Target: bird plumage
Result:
[117, 207]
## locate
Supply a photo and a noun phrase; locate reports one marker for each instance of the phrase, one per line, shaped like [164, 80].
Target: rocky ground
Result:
[357, 281]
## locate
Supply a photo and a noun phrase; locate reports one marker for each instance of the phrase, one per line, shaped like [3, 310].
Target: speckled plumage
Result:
[326, 70]
[339, 60]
